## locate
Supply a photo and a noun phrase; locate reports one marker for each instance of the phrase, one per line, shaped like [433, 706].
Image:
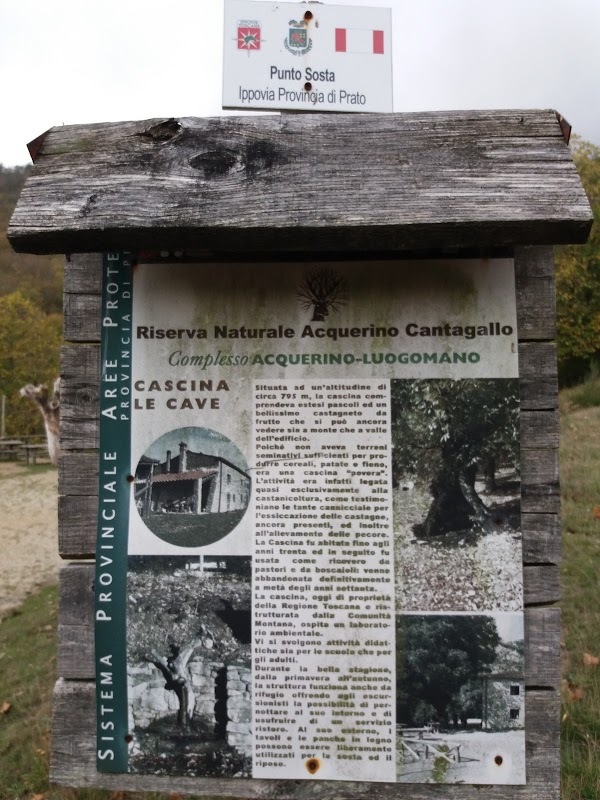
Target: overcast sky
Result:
[81, 61]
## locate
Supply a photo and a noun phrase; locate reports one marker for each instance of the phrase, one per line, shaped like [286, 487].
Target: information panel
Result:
[303, 57]
[309, 546]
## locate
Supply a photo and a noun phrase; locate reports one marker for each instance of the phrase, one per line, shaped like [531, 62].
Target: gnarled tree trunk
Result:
[177, 679]
[456, 506]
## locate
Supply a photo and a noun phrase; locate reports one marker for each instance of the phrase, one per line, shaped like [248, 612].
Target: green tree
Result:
[578, 281]
[29, 353]
[439, 659]
[446, 431]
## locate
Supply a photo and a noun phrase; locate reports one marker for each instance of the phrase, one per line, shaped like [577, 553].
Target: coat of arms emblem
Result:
[298, 41]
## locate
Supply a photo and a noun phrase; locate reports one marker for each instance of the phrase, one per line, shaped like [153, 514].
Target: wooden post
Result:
[307, 187]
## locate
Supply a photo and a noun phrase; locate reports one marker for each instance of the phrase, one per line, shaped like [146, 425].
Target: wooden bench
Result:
[31, 452]
[9, 448]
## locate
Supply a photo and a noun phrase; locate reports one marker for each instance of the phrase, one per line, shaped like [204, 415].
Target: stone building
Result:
[220, 697]
[193, 483]
[503, 701]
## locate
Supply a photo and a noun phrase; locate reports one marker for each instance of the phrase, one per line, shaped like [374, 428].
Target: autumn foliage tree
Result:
[578, 282]
[29, 353]
[30, 316]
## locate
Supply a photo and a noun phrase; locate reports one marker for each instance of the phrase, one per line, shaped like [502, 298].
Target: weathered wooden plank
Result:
[539, 429]
[541, 584]
[79, 411]
[542, 647]
[75, 658]
[540, 488]
[230, 184]
[78, 474]
[538, 375]
[83, 274]
[541, 538]
[82, 297]
[534, 262]
[82, 317]
[536, 294]
[77, 515]
[73, 762]
[76, 632]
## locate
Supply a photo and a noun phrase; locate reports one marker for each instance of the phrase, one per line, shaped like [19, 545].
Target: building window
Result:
[514, 713]
[229, 477]
[515, 689]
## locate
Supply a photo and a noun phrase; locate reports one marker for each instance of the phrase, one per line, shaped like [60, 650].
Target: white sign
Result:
[307, 57]
[309, 529]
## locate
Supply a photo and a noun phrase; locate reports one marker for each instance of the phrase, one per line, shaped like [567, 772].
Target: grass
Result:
[580, 478]
[28, 643]
[8, 469]
[586, 395]
[27, 674]
[27, 657]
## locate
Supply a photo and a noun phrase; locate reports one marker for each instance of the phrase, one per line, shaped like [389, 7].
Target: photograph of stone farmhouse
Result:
[192, 494]
[189, 665]
[460, 698]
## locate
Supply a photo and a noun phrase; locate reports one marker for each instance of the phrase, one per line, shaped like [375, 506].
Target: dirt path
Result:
[28, 532]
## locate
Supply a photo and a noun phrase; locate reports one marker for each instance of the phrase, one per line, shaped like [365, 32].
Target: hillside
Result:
[30, 316]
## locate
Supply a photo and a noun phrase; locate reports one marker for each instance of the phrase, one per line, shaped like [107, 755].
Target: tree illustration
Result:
[323, 291]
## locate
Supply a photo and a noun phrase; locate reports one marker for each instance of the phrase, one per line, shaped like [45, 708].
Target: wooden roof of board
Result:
[304, 182]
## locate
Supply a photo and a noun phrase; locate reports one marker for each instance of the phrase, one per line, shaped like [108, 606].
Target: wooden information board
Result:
[429, 202]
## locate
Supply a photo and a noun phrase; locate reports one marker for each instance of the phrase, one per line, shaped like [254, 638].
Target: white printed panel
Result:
[337, 59]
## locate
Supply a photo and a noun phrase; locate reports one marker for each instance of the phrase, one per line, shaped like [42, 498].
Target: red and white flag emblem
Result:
[248, 38]
[358, 40]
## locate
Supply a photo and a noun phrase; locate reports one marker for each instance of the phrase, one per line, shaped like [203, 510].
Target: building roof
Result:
[190, 475]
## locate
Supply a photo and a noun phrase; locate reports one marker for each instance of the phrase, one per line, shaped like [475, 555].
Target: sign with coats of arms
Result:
[307, 57]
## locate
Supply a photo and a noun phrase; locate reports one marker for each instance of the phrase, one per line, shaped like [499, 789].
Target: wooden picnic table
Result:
[420, 748]
[10, 448]
[32, 450]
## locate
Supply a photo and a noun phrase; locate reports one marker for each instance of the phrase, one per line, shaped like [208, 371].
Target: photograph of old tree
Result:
[188, 665]
[460, 698]
[456, 487]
